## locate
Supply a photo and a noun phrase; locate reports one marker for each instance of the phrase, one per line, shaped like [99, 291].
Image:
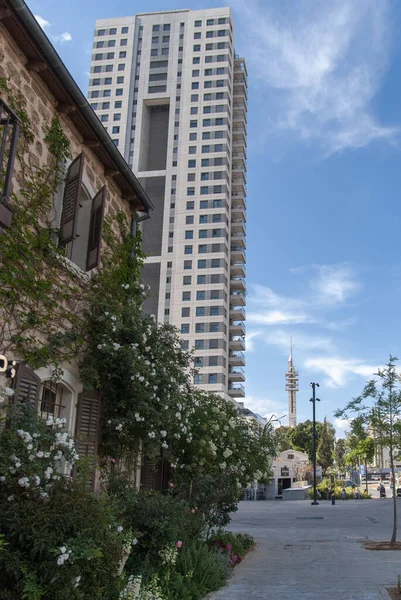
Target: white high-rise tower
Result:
[173, 96]
[291, 386]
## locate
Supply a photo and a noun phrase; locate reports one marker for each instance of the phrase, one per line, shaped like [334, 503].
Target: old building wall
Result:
[41, 107]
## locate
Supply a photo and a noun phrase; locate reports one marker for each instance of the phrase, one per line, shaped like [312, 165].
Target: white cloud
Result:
[335, 284]
[62, 37]
[277, 317]
[302, 342]
[340, 370]
[319, 65]
[249, 337]
[342, 427]
[42, 22]
[266, 407]
[321, 287]
[56, 38]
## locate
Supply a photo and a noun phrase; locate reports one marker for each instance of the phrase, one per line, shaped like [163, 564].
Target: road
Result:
[309, 552]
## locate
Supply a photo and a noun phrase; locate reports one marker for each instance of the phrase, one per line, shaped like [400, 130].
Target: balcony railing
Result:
[239, 370]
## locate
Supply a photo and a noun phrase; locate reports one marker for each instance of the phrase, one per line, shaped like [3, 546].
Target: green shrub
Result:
[59, 541]
[204, 569]
[159, 521]
[237, 543]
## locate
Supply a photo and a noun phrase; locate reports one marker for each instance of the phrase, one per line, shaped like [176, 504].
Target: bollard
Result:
[333, 499]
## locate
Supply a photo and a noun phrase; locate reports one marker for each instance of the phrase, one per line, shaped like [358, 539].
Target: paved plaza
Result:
[309, 552]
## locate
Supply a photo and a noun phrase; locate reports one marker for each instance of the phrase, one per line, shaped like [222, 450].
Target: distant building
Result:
[291, 386]
[287, 468]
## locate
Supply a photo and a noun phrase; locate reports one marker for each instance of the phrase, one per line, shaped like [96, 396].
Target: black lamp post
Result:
[313, 400]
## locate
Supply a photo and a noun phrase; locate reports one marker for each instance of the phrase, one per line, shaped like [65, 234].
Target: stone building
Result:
[98, 183]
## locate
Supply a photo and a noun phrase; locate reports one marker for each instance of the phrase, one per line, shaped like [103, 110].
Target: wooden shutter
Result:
[6, 214]
[72, 188]
[150, 474]
[26, 386]
[88, 423]
[95, 230]
[155, 474]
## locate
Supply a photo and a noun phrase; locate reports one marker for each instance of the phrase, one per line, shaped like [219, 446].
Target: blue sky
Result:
[324, 131]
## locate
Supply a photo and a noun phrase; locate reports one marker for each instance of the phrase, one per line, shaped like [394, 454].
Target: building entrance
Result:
[283, 483]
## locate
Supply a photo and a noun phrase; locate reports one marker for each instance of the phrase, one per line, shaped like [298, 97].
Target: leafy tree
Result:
[281, 435]
[339, 452]
[379, 408]
[301, 437]
[325, 449]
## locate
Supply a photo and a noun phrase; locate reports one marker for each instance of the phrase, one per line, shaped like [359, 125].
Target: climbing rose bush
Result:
[59, 540]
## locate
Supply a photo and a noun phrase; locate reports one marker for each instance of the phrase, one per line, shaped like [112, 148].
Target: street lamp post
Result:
[313, 400]
[366, 474]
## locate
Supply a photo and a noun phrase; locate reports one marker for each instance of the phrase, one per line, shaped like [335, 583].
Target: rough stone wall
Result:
[41, 108]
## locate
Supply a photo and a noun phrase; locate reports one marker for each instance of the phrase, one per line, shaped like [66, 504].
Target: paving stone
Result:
[301, 557]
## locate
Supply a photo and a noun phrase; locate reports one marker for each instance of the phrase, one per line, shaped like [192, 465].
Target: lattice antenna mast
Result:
[291, 386]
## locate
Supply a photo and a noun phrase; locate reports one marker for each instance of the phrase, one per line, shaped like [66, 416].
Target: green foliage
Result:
[339, 453]
[301, 437]
[282, 438]
[363, 452]
[206, 570]
[325, 448]
[378, 409]
[60, 542]
[38, 292]
[239, 543]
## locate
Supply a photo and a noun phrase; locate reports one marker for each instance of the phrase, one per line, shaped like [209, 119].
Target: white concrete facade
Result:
[181, 126]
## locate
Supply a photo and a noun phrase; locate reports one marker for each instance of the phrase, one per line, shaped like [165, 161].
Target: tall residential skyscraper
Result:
[291, 386]
[173, 95]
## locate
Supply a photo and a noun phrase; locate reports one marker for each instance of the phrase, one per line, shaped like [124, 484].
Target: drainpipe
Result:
[135, 220]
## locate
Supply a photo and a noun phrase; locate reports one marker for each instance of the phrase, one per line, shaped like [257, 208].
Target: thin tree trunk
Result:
[394, 536]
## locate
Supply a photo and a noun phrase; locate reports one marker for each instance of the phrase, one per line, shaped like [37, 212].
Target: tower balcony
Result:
[239, 129]
[239, 143]
[237, 227]
[238, 253]
[237, 343]
[237, 313]
[237, 328]
[237, 269]
[238, 186]
[240, 103]
[236, 374]
[239, 166]
[238, 211]
[238, 178]
[237, 154]
[236, 359]
[237, 298]
[239, 115]
[236, 390]
[238, 239]
[237, 283]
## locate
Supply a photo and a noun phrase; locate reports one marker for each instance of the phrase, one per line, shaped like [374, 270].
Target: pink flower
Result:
[179, 544]
[193, 510]
[171, 484]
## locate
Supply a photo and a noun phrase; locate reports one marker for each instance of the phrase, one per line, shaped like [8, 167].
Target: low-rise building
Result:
[288, 467]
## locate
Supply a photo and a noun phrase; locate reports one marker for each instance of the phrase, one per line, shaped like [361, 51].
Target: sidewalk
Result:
[309, 552]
